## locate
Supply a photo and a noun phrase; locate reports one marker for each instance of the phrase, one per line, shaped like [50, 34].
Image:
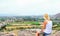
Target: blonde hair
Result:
[47, 16]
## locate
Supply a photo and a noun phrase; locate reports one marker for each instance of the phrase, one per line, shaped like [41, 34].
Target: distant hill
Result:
[57, 15]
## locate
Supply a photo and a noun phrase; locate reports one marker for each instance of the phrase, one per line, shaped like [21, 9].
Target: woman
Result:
[47, 26]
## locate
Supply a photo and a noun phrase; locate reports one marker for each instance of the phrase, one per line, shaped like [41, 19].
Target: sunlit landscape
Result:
[26, 17]
[26, 24]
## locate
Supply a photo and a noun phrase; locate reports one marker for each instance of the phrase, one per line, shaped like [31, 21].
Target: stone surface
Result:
[27, 32]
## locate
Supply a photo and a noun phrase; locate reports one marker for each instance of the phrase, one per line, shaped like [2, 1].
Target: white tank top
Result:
[48, 28]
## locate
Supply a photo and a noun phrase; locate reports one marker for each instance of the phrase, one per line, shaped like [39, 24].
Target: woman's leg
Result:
[37, 33]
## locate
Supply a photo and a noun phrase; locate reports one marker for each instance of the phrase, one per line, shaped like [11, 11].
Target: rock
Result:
[57, 33]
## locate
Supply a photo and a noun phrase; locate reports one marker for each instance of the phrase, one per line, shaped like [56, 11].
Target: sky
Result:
[29, 7]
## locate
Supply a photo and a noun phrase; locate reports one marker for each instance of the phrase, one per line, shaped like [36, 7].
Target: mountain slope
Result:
[57, 15]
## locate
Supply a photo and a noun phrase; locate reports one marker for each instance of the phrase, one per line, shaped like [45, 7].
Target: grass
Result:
[26, 25]
[57, 27]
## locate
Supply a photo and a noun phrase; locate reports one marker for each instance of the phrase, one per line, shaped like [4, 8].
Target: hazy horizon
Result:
[29, 7]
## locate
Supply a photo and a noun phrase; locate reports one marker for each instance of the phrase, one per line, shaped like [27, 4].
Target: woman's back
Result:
[48, 28]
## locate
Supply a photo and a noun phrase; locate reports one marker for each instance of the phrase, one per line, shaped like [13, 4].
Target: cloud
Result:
[29, 7]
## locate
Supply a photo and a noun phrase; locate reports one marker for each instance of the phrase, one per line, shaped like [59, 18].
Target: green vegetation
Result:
[57, 26]
[26, 22]
[28, 25]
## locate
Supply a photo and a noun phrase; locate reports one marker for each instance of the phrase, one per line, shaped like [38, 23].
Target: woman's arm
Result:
[44, 26]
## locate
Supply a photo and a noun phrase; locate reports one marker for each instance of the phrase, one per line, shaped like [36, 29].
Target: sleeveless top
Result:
[48, 28]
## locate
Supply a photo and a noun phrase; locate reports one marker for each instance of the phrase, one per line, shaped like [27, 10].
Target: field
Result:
[25, 25]
[32, 26]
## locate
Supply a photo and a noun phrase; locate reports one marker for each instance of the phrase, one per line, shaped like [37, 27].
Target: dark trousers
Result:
[46, 34]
